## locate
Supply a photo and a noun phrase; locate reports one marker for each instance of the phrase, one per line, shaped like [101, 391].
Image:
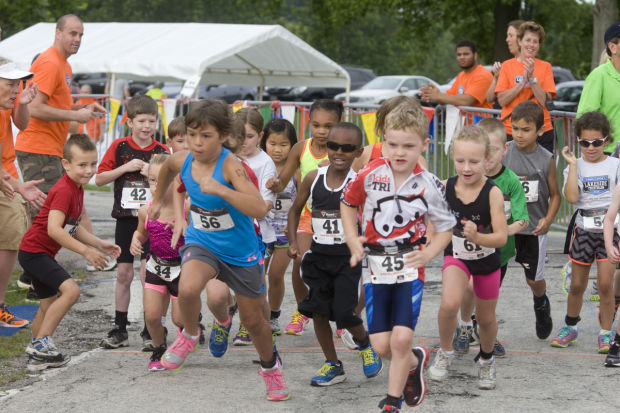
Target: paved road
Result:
[532, 377]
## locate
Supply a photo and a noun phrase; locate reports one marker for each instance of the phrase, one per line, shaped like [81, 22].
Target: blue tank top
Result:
[217, 225]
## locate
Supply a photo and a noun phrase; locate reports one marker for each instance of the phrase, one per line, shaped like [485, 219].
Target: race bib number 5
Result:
[390, 269]
[466, 250]
[593, 219]
[327, 227]
[166, 272]
[135, 194]
[211, 220]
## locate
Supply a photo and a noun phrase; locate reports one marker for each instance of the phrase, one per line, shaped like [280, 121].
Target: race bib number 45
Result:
[327, 227]
[211, 220]
[390, 269]
[135, 194]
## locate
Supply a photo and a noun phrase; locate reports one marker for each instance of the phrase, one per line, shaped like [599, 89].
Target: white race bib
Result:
[531, 190]
[593, 218]
[390, 269]
[135, 194]
[211, 220]
[283, 202]
[159, 267]
[466, 250]
[327, 227]
[507, 209]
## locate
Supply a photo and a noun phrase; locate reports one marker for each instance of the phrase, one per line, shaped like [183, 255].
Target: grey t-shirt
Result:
[119, 89]
[532, 168]
[596, 182]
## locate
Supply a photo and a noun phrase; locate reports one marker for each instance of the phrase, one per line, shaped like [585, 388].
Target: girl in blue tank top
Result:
[220, 239]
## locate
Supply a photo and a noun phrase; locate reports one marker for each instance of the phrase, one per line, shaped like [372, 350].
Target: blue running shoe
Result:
[329, 374]
[218, 342]
[461, 339]
[371, 363]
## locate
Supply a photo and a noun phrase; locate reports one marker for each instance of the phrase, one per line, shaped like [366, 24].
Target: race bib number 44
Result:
[466, 250]
[530, 187]
[211, 220]
[166, 272]
[135, 194]
[390, 269]
[327, 227]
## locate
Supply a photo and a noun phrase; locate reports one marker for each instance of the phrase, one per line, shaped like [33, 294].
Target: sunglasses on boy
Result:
[596, 142]
[344, 147]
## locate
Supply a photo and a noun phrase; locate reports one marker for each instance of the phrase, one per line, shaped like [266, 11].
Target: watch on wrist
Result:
[534, 81]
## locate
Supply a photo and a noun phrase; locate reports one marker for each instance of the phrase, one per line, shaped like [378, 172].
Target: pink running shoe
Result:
[297, 325]
[176, 354]
[339, 332]
[155, 359]
[274, 380]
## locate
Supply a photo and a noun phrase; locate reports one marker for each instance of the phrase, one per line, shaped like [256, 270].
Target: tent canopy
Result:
[234, 54]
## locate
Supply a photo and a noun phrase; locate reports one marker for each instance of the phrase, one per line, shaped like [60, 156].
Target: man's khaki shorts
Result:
[36, 166]
[14, 217]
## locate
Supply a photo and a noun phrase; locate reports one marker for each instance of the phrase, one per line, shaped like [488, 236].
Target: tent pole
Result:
[260, 72]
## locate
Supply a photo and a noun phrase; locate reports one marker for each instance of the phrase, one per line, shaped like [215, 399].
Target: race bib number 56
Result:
[211, 220]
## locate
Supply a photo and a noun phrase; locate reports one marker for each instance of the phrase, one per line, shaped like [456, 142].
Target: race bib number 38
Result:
[390, 269]
[327, 227]
[466, 250]
[135, 194]
[211, 220]
[283, 202]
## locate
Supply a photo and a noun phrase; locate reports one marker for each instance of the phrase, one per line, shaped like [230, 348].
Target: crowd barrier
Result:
[443, 122]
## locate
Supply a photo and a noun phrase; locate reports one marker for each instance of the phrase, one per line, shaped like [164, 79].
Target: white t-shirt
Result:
[264, 168]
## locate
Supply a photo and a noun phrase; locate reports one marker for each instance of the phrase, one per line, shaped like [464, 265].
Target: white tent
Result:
[237, 54]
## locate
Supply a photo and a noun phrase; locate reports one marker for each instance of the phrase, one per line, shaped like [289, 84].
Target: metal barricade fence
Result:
[437, 155]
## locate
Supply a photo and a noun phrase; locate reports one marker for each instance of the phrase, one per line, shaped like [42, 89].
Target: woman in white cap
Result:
[13, 192]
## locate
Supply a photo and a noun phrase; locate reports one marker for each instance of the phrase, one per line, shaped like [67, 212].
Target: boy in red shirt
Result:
[126, 164]
[58, 225]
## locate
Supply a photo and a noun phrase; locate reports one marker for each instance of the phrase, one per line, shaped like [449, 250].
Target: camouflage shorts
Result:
[36, 166]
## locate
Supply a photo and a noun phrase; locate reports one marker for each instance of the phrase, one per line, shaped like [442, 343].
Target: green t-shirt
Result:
[514, 206]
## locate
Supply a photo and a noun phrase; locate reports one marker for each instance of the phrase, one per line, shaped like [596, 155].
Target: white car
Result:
[384, 87]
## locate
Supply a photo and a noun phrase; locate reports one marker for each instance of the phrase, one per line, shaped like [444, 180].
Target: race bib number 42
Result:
[135, 194]
[390, 269]
[327, 227]
[211, 220]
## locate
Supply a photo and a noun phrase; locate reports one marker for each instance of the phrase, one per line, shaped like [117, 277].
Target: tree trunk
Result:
[604, 13]
[504, 13]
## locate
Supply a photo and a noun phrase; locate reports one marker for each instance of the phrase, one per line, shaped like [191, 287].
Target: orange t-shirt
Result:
[93, 127]
[475, 84]
[52, 73]
[6, 138]
[512, 74]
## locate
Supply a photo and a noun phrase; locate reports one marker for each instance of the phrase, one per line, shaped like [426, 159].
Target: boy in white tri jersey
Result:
[398, 198]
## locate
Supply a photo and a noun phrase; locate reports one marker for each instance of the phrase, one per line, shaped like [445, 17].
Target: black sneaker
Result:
[415, 386]
[388, 408]
[38, 363]
[544, 323]
[201, 339]
[32, 295]
[147, 341]
[613, 357]
[24, 281]
[116, 338]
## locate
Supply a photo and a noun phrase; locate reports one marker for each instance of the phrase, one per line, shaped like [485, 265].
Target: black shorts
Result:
[46, 274]
[123, 233]
[334, 288]
[531, 253]
[153, 282]
[586, 246]
[502, 273]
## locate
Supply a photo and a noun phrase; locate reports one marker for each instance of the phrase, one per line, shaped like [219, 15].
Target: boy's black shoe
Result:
[147, 341]
[388, 408]
[613, 357]
[38, 363]
[415, 386]
[116, 338]
[544, 323]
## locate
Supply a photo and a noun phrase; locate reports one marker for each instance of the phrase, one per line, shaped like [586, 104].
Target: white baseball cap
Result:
[11, 72]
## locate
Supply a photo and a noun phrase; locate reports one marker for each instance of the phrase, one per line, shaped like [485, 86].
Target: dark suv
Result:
[359, 77]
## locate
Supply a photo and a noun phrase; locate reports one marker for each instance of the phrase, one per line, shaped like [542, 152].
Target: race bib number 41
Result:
[327, 227]
[135, 194]
[390, 269]
[211, 220]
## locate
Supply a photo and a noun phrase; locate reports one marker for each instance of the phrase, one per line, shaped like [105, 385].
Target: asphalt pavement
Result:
[532, 376]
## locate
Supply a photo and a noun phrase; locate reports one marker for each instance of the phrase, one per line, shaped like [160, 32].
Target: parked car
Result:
[359, 77]
[384, 87]
[97, 81]
[568, 95]
[228, 93]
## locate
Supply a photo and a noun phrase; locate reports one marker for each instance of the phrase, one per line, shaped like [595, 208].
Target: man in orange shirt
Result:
[471, 84]
[39, 147]
[13, 192]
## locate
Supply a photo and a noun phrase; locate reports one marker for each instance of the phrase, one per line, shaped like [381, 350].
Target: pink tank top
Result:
[159, 239]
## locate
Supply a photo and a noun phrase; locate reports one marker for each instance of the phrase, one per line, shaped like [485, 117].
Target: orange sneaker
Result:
[8, 319]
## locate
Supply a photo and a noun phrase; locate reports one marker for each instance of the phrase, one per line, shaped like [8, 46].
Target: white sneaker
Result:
[439, 370]
[486, 374]
[109, 266]
[347, 340]
[274, 323]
